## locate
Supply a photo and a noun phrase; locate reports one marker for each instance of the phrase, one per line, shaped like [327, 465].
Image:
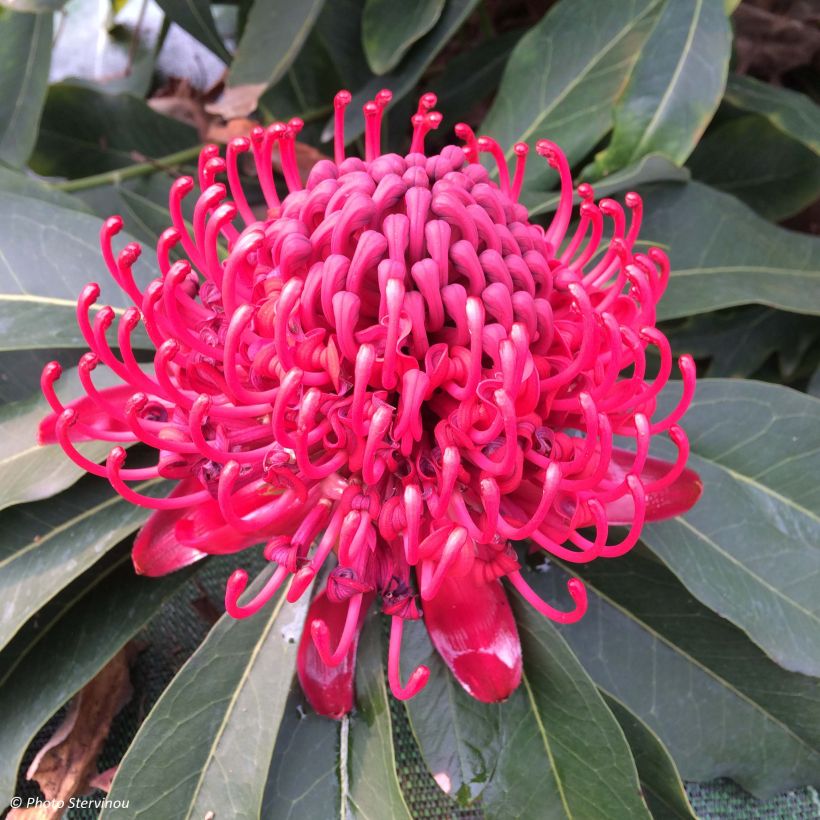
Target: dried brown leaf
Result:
[237, 101]
[65, 766]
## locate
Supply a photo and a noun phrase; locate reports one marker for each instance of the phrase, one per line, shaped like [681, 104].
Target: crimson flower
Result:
[392, 366]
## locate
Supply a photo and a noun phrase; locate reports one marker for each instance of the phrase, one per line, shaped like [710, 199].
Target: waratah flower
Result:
[393, 373]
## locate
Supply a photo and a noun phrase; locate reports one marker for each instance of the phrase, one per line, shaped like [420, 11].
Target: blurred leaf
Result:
[273, 36]
[564, 76]
[33, 6]
[65, 648]
[389, 29]
[374, 786]
[458, 736]
[142, 202]
[723, 254]
[675, 87]
[749, 547]
[739, 341]
[404, 78]
[339, 27]
[196, 18]
[85, 132]
[719, 705]
[17, 182]
[49, 544]
[661, 785]
[20, 370]
[206, 746]
[294, 790]
[473, 75]
[753, 160]
[730, 5]
[563, 753]
[794, 114]
[29, 471]
[25, 53]
[306, 91]
[142, 214]
[651, 168]
[50, 253]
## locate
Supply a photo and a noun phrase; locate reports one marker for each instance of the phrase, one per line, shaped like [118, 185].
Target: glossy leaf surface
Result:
[77, 636]
[563, 754]
[675, 87]
[718, 704]
[459, 737]
[564, 75]
[25, 54]
[723, 254]
[749, 548]
[208, 742]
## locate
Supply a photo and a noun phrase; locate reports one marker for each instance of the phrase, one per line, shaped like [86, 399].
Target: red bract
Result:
[392, 366]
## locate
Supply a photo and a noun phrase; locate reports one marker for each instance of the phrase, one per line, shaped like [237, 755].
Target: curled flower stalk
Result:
[391, 374]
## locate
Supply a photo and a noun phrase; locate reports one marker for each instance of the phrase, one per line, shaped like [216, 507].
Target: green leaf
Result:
[563, 753]
[66, 647]
[20, 371]
[723, 254]
[274, 34]
[306, 91]
[470, 77]
[662, 787]
[49, 544]
[339, 27]
[207, 744]
[30, 471]
[458, 736]
[675, 87]
[564, 76]
[755, 161]
[749, 547]
[295, 790]
[796, 115]
[374, 791]
[49, 254]
[196, 18]
[718, 704]
[16, 182]
[651, 168]
[85, 132]
[739, 341]
[25, 53]
[389, 29]
[404, 78]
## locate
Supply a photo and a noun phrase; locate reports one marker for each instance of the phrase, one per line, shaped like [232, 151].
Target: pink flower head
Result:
[393, 374]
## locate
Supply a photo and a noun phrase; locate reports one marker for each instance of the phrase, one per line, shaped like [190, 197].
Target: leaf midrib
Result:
[581, 76]
[257, 648]
[24, 85]
[72, 522]
[547, 744]
[667, 94]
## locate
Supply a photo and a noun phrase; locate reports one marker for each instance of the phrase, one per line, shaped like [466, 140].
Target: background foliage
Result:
[699, 654]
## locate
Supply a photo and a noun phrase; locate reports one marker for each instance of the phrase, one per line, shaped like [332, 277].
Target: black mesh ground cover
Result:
[172, 636]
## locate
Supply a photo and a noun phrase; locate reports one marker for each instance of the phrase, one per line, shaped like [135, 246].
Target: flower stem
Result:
[130, 171]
